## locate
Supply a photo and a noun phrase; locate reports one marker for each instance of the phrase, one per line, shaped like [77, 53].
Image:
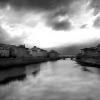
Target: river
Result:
[57, 80]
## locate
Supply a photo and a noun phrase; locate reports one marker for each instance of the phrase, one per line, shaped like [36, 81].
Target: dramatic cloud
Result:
[37, 4]
[61, 25]
[58, 21]
[47, 23]
[83, 26]
[52, 8]
[96, 5]
[97, 22]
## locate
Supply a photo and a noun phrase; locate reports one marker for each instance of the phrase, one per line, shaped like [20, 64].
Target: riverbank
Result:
[89, 62]
[15, 62]
[89, 57]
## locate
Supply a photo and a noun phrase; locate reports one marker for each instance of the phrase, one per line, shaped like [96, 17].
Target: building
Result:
[13, 51]
[90, 52]
[53, 54]
[98, 47]
[4, 51]
[37, 52]
[19, 51]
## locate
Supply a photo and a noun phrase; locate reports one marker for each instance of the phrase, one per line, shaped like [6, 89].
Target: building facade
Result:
[53, 54]
[19, 51]
[13, 51]
[4, 50]
[37, 52]
[91, 52]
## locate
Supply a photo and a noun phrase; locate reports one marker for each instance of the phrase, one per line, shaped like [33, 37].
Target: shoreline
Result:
[15, 62]
[89, 62]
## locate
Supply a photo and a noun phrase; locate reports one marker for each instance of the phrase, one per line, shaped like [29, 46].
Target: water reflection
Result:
[18, 73]
[59, 80]
[12, 79]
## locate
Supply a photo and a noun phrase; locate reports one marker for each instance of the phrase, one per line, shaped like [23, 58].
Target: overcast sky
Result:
[49, 23]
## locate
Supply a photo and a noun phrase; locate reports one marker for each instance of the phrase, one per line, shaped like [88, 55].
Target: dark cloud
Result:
[64, 25]
[38, 4]
[95, 4]
[83, 26]
[97, 22]
[58, 20]
[55, 8]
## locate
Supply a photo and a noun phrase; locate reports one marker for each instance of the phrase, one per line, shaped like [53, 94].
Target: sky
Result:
[49, 23]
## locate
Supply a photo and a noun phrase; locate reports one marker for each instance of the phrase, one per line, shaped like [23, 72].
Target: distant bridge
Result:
[67, 56]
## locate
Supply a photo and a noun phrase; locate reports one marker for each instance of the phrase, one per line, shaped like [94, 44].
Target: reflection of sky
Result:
[62, 80]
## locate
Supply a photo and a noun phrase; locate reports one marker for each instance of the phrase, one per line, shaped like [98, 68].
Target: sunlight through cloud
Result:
[31, 26]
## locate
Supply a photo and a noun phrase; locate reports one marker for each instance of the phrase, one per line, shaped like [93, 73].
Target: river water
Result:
[58, 80]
